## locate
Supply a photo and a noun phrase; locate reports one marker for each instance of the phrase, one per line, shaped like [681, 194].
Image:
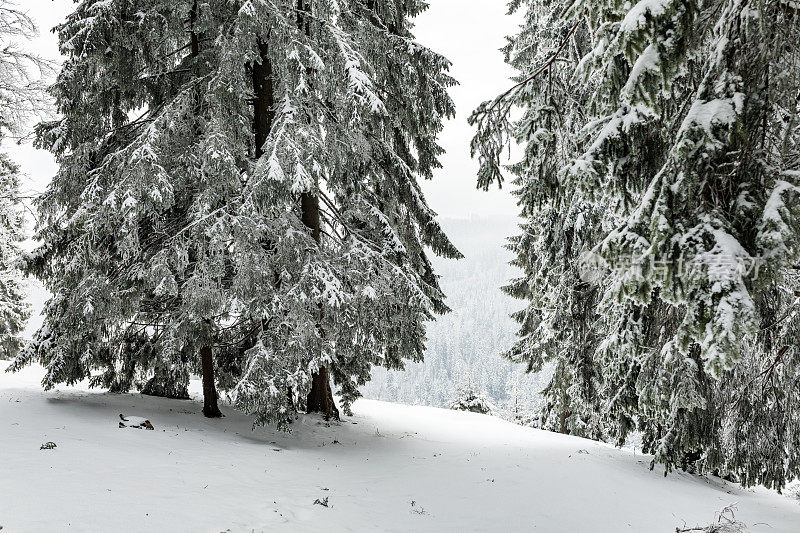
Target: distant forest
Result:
[464, 345]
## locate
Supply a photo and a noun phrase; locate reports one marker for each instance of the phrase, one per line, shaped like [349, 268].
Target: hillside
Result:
[389, 468]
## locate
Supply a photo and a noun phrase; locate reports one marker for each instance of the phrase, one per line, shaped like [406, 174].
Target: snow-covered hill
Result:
[389, 468]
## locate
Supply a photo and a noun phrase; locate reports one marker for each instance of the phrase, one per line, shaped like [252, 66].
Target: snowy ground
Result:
[389, 468]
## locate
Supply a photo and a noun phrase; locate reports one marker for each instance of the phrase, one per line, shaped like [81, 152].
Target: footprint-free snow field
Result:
[388, 468]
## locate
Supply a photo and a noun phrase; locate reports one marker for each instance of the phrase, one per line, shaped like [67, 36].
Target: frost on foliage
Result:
[661, 140]
[24, 74]
[13, 308]
[174, 221]
[21, 96]
[467, 398]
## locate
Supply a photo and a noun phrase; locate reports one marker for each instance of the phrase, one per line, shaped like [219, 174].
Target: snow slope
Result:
[389, 468]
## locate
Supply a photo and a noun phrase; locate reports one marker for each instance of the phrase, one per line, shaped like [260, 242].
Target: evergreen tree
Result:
[21, 95]
[238, 196]
[13, 308]
[661, 149]
[467, 398]
[558, 325]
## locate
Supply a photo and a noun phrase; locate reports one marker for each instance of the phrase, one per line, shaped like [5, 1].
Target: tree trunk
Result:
[210, 407]
[563, 417]
[263, 117]
[320, 399]
[309, 204]
[263, 99]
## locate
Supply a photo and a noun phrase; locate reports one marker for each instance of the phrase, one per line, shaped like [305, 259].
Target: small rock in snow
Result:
[134, 422]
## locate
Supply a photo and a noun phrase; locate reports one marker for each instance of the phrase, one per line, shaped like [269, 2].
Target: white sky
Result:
[468, 32]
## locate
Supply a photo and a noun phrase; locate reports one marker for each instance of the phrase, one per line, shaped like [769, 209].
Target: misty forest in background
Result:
[461, 354]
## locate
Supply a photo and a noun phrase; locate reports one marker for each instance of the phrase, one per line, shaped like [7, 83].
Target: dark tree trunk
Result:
[309, 204]
[263, 99]
[320, 399]
[210, 407]
[563, 417]
[263, 117]
[194, 41]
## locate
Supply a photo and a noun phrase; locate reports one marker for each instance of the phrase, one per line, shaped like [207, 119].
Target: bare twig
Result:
[547, 64]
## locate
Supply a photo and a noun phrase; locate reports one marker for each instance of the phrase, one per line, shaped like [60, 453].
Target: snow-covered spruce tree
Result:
[13, 308]
[558, 324]
[467, 398]
[760, 413]
[21, 95]
[238, 188]
[684, 148]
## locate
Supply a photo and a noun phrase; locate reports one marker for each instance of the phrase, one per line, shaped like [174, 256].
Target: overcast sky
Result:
[468, 32]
